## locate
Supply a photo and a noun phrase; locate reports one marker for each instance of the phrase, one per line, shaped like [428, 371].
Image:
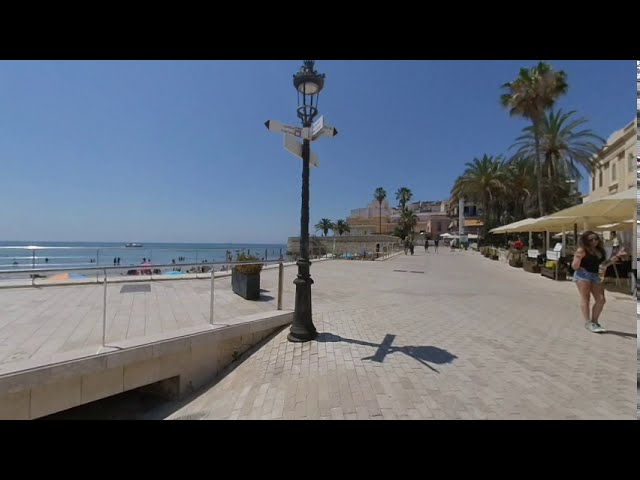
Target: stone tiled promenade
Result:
[446, 336]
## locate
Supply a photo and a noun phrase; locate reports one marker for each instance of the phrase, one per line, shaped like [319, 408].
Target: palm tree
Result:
[534, 91]
[341, 226]
[403, 195]
[325, 225]
[380, 194]
[561, 146]
[408, 221]
[483, 181]
[557, 192]
[518, 194]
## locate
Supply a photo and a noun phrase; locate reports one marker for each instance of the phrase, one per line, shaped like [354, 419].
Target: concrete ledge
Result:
[195, 356]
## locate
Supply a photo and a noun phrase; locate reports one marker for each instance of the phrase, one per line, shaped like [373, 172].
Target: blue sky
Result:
[177, 151]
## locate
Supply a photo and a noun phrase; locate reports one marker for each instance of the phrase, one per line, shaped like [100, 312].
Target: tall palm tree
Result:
[562, 147]
[534, 91]
[403, 195]
[482, 181]
[341, 226]
[380, 194]
[325, 225]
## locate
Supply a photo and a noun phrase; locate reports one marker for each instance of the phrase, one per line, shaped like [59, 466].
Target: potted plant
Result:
[245, 279]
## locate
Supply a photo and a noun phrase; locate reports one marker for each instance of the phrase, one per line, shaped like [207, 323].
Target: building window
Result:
[593, 182]
[600, 178]
[613, 172]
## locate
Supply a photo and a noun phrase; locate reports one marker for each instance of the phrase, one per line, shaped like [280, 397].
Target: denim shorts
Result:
[581, 275]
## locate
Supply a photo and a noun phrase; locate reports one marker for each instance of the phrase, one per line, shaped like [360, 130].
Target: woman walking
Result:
[587, 261]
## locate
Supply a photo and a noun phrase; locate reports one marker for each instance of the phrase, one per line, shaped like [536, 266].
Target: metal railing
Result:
[97, 256]
[385, 251]
[105, 281]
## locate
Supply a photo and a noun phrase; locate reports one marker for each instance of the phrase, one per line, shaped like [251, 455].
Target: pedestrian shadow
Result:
[620, 334]
[425, 354]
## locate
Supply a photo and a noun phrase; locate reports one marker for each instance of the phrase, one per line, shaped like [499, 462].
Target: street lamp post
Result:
[308, 84]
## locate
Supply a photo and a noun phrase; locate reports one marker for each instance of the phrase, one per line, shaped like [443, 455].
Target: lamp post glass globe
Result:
[308, 88]
[308, 83]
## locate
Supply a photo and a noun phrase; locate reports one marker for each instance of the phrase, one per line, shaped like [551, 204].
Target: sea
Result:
[21, 255]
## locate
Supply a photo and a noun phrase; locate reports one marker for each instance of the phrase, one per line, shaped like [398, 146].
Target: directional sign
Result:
[317, 130]
[317, 126]
[295, 147]
[278, 127]
[325, 131]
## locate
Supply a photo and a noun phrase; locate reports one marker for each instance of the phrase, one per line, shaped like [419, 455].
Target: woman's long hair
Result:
[584, 243]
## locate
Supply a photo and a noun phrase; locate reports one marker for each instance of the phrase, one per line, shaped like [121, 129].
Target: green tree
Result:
[341, 226]
[518, 194]
[483, 182]
[325, 225]
[563, 147]
[403, 195]
[533, 92]
[408, 221]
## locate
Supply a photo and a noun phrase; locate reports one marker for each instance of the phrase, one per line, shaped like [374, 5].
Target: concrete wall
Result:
[344, 244]
[194, 360]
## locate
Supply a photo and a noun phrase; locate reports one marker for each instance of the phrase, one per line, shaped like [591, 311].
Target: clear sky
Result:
[177, 151]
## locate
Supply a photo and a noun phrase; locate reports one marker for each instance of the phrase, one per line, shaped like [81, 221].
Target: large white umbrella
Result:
[626, 225]
[617, 208]
[601, 211]
[511, 226]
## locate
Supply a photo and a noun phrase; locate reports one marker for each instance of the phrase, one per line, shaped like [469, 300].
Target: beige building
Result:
[366, 221]
[472, 217]
[617, 170]
[432, 218]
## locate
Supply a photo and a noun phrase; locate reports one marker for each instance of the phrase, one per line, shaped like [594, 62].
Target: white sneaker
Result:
[593, 327]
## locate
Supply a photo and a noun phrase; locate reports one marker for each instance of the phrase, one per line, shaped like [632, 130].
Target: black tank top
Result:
[591, 263]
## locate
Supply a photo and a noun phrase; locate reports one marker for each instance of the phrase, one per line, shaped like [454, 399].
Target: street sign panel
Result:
[325, 131]
[317, 130]
[295, 147]
[317, 126]
[278, 127]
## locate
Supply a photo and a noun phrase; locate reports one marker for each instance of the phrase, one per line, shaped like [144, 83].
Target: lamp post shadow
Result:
[425, 354]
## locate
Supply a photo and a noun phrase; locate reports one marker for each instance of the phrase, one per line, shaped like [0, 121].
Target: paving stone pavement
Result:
[434, 336]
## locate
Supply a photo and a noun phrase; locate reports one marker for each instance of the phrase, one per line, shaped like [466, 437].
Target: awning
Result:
[514, 227]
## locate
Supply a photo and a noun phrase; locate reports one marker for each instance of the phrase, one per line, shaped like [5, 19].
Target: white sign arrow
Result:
[295, 147]
[325, 131]
[278, 127]
[317, 126]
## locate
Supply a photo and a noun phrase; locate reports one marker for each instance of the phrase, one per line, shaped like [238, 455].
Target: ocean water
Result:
[15, 255]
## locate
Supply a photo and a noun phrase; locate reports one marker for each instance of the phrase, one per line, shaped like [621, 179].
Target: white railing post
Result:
[104, 311]
[280, 280]
[213, 276]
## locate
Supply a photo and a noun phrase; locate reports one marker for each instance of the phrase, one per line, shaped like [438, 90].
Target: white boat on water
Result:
[133, 245]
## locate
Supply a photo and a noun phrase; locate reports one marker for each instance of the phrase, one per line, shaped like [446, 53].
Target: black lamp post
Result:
[308, 83]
